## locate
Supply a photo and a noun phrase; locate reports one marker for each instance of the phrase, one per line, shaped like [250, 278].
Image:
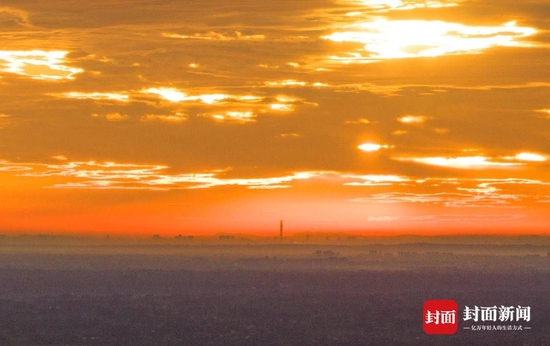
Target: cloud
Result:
[445, 192]
[234, 116]
[358, 121]
[281, 107]
[290, 135]
[38, 64]
[473, 199]
[372, 147]
[441, 130]
[4, 120]
[60, 157]
[112, 116]
[395, 5]
[113, 175]
[412, 119]
[375, 180]
[6, 166]
[463, 162]
[463, 193]
[384, 39]
[171, 118]
[295, 83]
[13, 17]
[214, 36]
[447, 218]
[175, 95]
[101, 96]
[530, 157]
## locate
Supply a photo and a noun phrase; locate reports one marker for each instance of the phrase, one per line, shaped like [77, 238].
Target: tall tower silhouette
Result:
[281, 230]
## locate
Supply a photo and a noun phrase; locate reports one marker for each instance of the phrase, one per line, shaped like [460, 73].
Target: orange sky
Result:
[173, 117]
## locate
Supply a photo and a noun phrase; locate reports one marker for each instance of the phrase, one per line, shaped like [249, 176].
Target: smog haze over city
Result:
[274, 173]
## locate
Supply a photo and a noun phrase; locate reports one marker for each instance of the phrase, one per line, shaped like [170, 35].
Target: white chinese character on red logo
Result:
[432, 317]
[448, 317]
[441, 317]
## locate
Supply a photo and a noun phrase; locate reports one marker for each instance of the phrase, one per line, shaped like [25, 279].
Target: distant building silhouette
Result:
[186, 237]
[281, 230]
[325, 254]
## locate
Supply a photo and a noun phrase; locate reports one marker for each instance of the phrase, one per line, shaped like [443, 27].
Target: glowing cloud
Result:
[212, 98]
[112, 116]
[169, 94]
[465, 162]
[113, 175]
[38, 64]
[358, 121]
[412, 119]
[281, 107]
[371, 147]
[59, 157]
[464, 193]
[289, 135]
[530, 157]
[214, 36]
[395, 39]
[176, 118]
[440, 130]
[375, 180]
[175, 95]
[389, 5]
[235, 116]
[295, 83]
[4, 120]
[287, 82]
[96, 96]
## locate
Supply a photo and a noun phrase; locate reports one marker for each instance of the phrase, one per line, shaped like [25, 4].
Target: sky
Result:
[200, 117]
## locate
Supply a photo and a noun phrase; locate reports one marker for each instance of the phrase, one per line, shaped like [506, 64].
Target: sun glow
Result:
[395, 39]
[371, 147]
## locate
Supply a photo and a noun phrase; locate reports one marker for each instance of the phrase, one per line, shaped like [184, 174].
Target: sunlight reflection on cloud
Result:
[397, 39]
[38, 64]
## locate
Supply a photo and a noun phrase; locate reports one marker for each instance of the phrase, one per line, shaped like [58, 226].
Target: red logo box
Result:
[440, 317]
